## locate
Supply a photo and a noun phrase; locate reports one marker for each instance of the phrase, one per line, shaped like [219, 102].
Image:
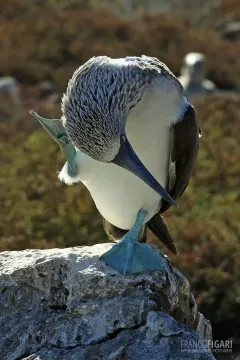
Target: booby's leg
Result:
[115, 234]
[129, 256]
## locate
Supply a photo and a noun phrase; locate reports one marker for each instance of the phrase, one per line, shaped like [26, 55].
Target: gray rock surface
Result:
[66, 304]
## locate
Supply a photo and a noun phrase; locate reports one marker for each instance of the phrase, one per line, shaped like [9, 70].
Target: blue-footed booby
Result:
[131, 136]
[193, 76]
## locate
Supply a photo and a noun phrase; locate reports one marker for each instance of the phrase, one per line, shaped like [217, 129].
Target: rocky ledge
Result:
[65, 304]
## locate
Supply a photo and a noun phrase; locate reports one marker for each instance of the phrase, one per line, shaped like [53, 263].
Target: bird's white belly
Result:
[119, 195]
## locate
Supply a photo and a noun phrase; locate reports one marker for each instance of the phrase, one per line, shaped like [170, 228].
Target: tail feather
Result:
[159, 228]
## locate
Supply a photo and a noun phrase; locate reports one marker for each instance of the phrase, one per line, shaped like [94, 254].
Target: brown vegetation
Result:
[37, 211]
[50, 44]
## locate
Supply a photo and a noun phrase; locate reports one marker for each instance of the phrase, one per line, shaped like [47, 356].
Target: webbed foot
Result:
[130, 256]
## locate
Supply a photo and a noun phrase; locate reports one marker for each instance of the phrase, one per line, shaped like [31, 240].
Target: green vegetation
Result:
[37, 211]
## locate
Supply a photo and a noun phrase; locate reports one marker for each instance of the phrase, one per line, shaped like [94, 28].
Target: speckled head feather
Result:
[100, 96]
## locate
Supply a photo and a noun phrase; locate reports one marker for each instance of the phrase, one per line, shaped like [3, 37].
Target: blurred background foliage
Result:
[48, 40]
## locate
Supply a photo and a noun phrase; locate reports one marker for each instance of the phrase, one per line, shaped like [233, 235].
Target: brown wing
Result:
[185, 139]
[185, 145]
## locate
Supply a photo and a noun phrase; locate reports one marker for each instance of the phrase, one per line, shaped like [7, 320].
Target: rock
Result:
[46, 88]
[66, 304]
[231, 31]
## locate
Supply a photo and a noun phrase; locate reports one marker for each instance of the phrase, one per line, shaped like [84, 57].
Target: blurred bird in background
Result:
[10, 88]
[193, 75]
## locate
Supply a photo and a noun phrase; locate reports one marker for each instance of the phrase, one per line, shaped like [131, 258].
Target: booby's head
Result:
[98, 100]
[95, 108]
[194, 67]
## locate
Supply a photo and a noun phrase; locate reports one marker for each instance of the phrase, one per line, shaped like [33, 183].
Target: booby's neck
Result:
[149, 124]
[163, 101]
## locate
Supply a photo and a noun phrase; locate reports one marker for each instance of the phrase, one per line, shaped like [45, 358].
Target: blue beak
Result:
[127, 159]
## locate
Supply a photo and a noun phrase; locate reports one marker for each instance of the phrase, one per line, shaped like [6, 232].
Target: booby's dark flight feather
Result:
[185, 145]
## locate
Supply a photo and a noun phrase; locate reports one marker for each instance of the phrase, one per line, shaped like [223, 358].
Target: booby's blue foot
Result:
[129, 256]
[56, 129]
